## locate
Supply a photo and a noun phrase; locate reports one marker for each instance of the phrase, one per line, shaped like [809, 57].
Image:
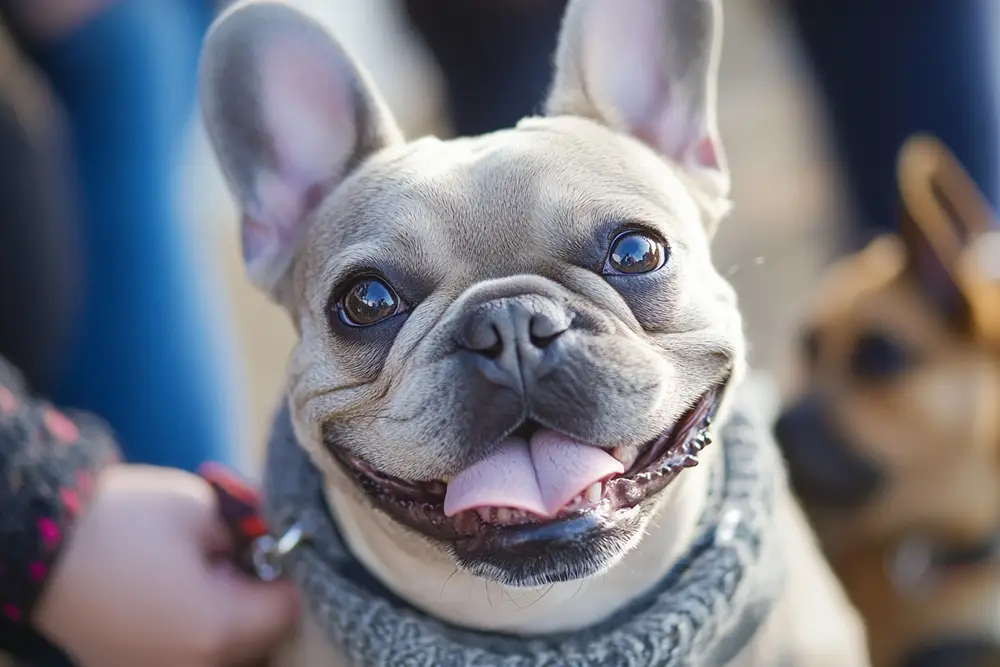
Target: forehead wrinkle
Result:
[397, 251]
[503, 203]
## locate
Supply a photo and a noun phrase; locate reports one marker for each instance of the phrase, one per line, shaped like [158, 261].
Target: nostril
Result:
[544, 330]
[496, 349]
[484, 339]
[543, 342]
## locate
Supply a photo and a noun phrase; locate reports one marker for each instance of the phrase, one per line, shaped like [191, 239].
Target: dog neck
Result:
[427, 579]
[706, 608]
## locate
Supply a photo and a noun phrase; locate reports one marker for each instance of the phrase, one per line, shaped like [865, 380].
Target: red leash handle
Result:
[239, 509]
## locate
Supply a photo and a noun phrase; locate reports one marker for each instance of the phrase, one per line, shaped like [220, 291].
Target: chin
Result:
[585, 536]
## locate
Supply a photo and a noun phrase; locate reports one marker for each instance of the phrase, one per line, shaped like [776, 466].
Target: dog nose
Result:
[513, 339]
[823, 469]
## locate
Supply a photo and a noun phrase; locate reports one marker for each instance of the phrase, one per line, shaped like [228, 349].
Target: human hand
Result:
[144, 581]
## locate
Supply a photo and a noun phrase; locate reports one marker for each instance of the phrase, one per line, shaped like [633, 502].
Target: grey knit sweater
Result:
[700, 615]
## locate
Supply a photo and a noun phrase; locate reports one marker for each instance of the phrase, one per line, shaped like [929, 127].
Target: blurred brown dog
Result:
[893, 444]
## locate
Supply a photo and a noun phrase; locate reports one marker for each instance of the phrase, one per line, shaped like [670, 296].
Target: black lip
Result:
[564, 549]
[575, 544]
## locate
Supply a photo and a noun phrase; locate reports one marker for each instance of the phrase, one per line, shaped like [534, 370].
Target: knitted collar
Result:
[701, 614]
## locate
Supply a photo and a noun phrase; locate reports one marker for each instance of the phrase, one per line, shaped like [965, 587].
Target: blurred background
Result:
[122, 289]
[788, 202]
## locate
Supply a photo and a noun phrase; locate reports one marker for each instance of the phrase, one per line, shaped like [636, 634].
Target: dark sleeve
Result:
[48, 462]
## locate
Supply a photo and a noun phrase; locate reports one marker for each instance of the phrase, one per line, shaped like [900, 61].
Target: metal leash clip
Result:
[268, 554]
[255, 551]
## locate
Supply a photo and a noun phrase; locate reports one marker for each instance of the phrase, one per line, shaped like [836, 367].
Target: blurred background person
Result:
[116, 310]
[108, 303]
[885, 70]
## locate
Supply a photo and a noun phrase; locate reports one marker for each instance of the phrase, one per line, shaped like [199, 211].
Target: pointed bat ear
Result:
[289, 115]
[648, 68]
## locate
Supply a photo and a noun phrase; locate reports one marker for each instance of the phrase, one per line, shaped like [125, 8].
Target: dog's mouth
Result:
[539, 487]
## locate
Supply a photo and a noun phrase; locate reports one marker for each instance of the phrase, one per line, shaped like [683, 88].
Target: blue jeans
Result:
[148, 346]
[892, 68]
[143, 339]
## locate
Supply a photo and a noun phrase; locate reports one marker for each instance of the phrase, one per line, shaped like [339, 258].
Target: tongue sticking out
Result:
[540, 477]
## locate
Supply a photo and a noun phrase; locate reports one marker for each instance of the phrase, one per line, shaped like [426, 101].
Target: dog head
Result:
[508, 344]
[897, 428]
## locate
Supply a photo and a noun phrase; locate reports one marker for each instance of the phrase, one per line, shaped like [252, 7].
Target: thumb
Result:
[258, 616]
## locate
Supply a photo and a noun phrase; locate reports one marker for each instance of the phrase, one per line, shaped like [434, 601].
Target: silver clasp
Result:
[268, 553]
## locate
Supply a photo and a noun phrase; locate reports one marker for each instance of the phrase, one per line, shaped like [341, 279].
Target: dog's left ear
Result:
[290, 115]
[648, 68]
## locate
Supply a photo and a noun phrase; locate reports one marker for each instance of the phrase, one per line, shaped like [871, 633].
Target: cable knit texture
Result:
[48, 462]
[700, 615]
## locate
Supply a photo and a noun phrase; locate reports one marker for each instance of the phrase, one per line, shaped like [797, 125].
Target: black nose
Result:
[513, 339]
[824, 470]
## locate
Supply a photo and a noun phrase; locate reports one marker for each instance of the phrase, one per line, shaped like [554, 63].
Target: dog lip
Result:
[419, 505]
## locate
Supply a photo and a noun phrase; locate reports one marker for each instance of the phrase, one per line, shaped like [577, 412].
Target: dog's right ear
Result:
[289, 115]
[942, 213]
[647, 68]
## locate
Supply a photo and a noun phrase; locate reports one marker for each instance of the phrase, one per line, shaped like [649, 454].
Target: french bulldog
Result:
[893, 442]
[507, 344]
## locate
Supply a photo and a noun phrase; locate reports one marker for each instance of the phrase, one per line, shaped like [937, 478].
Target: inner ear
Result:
[647, 68]
[289, 114]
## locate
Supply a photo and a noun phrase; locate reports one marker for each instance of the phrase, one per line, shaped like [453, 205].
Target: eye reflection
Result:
[368, 301]
[636, 252]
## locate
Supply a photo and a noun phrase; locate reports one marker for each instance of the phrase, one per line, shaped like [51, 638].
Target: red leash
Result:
[239, 508]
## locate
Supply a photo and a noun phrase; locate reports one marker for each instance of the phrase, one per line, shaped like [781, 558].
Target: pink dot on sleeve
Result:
[12, 612]
[8, 404]
[70, 500]
[49, 531]
[60, 426]
[37, 571]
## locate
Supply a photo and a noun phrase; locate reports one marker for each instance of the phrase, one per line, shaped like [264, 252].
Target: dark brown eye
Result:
[636, 252]
[877, 357]
[367, 301]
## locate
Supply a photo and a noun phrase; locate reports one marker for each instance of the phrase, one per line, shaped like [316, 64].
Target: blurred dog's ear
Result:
[942, 213]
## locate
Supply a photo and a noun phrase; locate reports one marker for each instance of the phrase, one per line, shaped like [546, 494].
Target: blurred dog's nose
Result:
[513, 339]
[823, 469]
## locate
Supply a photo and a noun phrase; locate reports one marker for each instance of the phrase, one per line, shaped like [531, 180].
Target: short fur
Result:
[517, 220]
[908, 450]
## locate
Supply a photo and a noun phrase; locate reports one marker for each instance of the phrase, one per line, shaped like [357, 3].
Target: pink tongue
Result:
[540, 477]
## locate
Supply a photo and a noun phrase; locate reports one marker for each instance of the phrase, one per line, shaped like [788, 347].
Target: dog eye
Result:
[878, 357]
[634, 252]
[367, 301]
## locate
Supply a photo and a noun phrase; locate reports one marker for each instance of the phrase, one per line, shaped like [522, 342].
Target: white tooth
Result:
[504, 515]
[594, 493]
[627, 455]
[484, 514]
